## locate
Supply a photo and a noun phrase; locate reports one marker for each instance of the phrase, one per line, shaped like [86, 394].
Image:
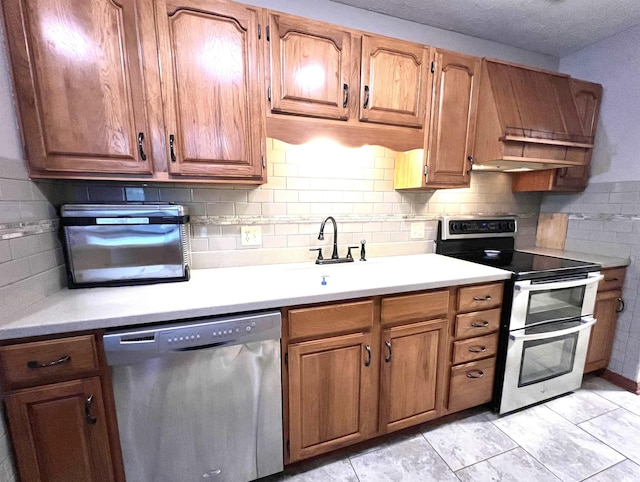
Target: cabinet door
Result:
[587, 96]
[602, 333]
[79, 85]
[58, 434]
[310, 64]
[453, 119]
[330, 394]
[211, 88]
[395, 76]
[412, 359]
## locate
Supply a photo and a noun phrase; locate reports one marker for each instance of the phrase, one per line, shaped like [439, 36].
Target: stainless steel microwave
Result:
[125, 244]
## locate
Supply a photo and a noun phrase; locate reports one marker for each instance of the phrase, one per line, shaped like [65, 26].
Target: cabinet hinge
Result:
[268, 34]
[259, 31]
[269, 94]
[286, 359]
[433, 67]
[288, 448]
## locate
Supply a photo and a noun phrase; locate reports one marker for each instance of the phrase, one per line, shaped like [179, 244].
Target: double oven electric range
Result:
[547, 311]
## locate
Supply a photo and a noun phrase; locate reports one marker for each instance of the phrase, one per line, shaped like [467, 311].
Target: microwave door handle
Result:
[585, 323]
[593, 278]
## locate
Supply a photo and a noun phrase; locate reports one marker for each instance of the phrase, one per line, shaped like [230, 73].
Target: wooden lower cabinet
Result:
[331, 398]
[59, 410]
[411, 371]
[608, 304]
[59, 432]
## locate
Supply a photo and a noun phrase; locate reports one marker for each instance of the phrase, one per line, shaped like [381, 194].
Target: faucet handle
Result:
[319, 250]
[349, 248]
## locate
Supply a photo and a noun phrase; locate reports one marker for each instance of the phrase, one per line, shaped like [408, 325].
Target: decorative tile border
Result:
[18, 230]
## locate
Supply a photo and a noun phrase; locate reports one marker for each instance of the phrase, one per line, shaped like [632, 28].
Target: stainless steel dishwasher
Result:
[199, 398]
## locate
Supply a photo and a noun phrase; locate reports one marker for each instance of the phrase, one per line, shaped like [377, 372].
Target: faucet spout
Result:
[334, 255]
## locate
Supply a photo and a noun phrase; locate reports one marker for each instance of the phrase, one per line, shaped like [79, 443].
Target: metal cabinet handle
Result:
[621, 306]
[475, 374]
[143, 156]
[478, 349]
[366, 97]
[486, 298]
[610, 280]
[36, 364]
[345, 89]
[91, 420]
[482, 324]
[470, 159]
[388, 345]
[171, 147]
[368, 361]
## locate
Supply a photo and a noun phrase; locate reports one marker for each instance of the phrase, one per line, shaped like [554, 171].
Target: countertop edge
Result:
[604, 261]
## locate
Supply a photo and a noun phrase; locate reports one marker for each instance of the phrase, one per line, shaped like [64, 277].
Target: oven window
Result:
[546, 359]
[555, 304]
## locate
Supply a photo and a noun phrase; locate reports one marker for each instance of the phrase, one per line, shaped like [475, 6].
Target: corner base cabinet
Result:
[60, 412]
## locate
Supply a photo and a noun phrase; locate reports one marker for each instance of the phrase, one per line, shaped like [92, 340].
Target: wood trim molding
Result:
[622, 382]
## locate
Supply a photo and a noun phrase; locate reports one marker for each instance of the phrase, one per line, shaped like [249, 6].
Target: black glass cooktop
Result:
[528, 265]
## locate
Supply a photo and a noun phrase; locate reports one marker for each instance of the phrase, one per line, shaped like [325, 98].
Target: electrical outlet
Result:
[417, 231]
[251, 235]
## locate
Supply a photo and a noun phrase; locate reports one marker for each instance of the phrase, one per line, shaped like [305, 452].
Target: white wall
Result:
[614, 63]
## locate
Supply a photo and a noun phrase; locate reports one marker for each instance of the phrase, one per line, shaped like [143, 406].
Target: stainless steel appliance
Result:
[124, 244]
[547, 310]
[198, 399]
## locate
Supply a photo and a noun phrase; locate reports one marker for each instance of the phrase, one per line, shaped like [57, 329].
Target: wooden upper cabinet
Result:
[79, 85]
[211, 88]
[310, 67]
[453, 119]
[395, 80]
[445, 161]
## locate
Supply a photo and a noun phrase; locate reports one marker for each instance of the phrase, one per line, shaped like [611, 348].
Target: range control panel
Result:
[475, 227]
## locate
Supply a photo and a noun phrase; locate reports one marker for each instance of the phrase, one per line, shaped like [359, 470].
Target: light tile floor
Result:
[592, 434]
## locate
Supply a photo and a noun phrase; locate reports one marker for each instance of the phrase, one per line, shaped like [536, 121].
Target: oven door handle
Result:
[585, 322]
[558, 285]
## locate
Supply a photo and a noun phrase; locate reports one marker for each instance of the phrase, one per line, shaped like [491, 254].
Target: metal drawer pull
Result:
[36, 364]
[478, 349]
[368, 362]
[91, 420]
[610, 280]
[486, 298]
[388, 345]
[475, 374]
[621, 306]
[482, 324]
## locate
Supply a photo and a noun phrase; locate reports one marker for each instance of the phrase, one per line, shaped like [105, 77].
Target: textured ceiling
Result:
[552, 27]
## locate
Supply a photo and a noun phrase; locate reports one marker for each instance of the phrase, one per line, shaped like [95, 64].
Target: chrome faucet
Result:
[334, 255]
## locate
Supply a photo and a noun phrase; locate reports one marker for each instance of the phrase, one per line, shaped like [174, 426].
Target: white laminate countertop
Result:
[233, 290]
[604, 261]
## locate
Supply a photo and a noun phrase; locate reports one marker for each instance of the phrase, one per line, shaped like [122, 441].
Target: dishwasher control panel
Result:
[193, 334]
[216, 332]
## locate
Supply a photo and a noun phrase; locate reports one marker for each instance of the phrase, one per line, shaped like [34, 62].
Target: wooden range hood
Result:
[527, 120]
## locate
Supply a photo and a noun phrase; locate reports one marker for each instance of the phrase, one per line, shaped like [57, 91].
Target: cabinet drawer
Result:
[418, 307]
[328, 319]
[41, 362]
[613, 279]
[481, 297]
[475, 348]
[477, 323]
[471, 384]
